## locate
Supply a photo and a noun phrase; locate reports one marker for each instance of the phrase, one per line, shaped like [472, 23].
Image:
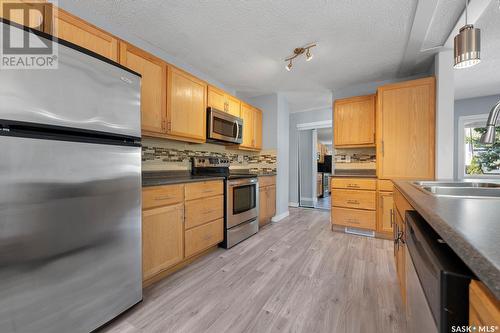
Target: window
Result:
[476, 159]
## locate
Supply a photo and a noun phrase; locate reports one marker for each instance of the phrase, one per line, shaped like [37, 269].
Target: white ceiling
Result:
[484, 78]
[243, 43]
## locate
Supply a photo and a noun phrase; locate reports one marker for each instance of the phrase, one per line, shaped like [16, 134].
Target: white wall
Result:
[74, 8]
[275, 128]
[445, 96]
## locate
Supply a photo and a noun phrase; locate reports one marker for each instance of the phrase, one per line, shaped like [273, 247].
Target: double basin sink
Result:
[468, 189]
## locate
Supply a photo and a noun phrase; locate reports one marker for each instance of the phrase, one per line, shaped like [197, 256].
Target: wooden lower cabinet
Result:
[359, 199]
[267, 199]
[399, 254]
[203, 237]
[385, 212]
[319, 185]
[357, 218]
[484, 307]
[162, 239]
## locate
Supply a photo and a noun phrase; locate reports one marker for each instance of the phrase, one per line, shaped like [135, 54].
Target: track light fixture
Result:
[298, 51]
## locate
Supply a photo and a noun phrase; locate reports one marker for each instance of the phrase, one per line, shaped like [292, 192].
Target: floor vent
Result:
[360, 232]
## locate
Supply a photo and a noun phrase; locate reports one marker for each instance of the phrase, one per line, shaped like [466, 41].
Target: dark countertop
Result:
[157, 178]
[354, 176]
[471, 227]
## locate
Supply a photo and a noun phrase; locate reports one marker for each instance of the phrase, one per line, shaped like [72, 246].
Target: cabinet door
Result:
[153, 87]
[271, 201]
[406, 130]
[247, 114]
[257, 143]
[354, 121]
[385, 212]
[399, 252]
[233, 106]
[186, 111]
[34, 10]
[216, 98]
[162, 239]
[263, 209]
[81, 33]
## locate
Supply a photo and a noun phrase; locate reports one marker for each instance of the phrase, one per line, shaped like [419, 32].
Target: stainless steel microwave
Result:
[224, 127]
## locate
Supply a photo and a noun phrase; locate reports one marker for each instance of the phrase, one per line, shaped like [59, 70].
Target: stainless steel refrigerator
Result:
[70, 194]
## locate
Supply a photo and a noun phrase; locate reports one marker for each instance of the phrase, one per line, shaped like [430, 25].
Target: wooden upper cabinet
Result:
[81, 33]
[220, 100]
[233, 106]
[36, 11]
[406, 130]
[247, 113]
[257, 129]
[153, 87]
[354, 121]
[186, 110]
[216, 98]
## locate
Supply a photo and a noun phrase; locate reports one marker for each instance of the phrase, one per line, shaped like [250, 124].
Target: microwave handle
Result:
[237, 129]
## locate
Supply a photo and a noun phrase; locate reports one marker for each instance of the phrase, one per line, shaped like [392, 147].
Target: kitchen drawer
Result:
[402, 205]
[385, 185]
[201, 238]
[354, 199]
[267, 181]
[201, 211]
[157, 196]
[354, 183]
[356, 218]
[204, 189]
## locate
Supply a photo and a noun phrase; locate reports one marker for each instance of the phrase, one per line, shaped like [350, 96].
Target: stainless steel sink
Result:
[469, 189]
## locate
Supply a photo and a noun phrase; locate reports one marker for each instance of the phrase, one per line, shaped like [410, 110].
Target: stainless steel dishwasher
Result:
[437, 281]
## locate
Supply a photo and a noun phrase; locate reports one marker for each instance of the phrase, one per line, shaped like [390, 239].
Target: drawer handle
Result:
[208, 191]
[353, 185]
[353, 202]
[164, 197]
[210, 211]
[207, 237]
[355, 221]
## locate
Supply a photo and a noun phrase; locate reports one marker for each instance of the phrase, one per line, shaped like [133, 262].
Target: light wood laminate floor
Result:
[295, 275]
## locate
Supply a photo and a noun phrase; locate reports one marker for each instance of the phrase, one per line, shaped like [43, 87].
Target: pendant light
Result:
[467, 49]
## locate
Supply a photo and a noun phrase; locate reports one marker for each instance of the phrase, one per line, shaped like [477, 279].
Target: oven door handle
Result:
[242, 182]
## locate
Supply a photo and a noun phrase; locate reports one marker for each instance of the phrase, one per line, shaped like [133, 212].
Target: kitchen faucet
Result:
[489, 136]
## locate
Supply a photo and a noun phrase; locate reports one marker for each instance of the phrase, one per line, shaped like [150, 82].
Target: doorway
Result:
[315, 165]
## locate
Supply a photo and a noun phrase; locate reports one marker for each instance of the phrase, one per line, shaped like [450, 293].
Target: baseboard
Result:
[293, 204]
[280, 217]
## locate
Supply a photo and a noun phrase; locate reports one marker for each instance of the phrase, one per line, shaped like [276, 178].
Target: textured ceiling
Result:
[242, 43]
[484, 78]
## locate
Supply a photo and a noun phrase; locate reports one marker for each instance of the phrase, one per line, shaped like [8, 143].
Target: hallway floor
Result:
[294, 275]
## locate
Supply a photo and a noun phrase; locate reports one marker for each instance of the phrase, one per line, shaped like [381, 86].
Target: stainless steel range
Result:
[241, 198]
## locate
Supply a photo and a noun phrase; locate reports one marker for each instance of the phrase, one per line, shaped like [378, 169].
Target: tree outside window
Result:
[481, 159]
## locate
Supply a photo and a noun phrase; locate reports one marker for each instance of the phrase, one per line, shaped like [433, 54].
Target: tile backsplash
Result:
[355, 158]
[164, 155]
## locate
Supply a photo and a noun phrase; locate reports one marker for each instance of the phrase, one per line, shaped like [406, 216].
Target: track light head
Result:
[309, 55]
[288, 67]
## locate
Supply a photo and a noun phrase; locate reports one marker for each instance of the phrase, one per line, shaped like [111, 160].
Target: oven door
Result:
[224, 127]
[242, 201]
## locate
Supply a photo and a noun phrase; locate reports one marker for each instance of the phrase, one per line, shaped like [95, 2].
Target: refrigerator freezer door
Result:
[70, 234]
[84, 93]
